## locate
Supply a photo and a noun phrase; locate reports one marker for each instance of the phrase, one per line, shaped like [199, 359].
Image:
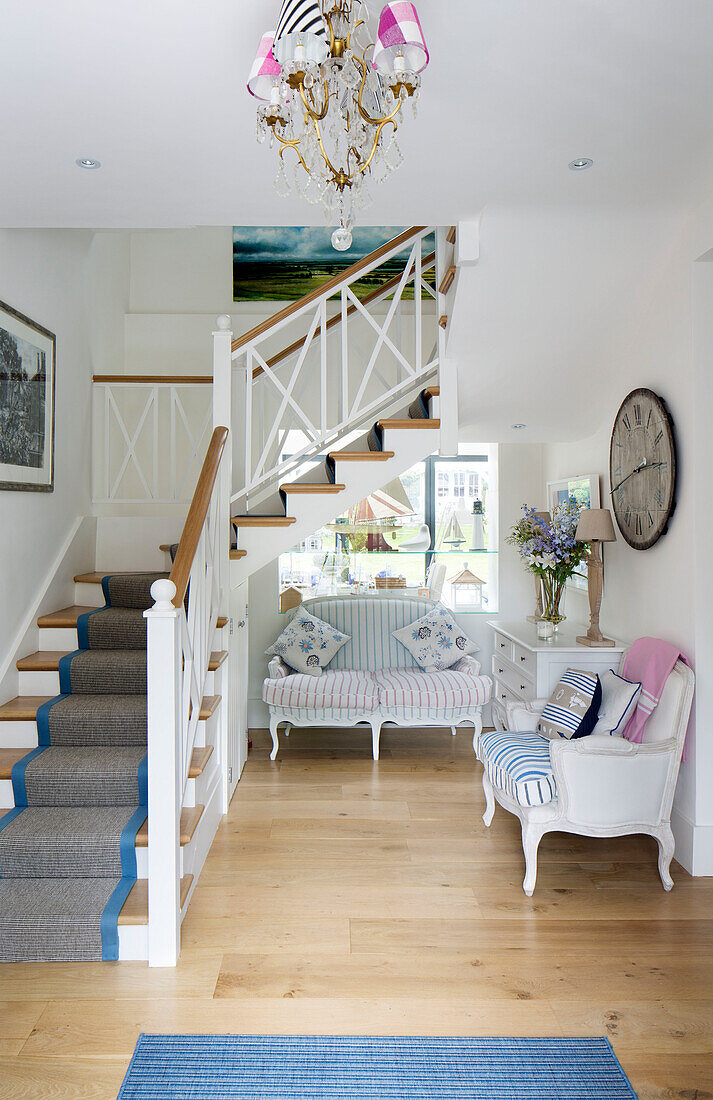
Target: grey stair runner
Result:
[67, 849]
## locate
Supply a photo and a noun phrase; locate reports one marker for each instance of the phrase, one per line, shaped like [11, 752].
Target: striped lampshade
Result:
[400, 33]
[265, 70]
[301, 24]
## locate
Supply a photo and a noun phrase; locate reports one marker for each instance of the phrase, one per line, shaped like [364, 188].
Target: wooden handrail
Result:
[331, 284]
[197, 513]
[390, 284]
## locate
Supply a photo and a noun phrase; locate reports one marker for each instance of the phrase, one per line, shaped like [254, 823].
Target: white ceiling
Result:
[515, 90]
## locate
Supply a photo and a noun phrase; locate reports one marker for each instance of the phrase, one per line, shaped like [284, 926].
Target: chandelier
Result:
[333, 99]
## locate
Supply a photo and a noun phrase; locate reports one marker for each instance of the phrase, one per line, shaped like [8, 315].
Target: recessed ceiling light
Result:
[581, 163]
[87, 162]
[518, 427]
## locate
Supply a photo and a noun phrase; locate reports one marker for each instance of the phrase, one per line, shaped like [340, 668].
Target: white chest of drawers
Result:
[525, 667]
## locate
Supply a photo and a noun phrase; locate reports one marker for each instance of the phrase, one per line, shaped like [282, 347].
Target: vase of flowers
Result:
[550, 550]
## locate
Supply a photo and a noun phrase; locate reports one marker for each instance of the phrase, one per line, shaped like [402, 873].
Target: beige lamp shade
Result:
[595, 525]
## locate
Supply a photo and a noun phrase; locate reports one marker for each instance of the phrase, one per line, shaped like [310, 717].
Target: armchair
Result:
[594, 786]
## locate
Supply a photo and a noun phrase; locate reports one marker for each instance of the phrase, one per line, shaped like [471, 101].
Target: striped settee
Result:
[373, 678]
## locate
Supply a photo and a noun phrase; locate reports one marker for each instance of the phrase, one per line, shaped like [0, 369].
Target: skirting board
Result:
[694, 845]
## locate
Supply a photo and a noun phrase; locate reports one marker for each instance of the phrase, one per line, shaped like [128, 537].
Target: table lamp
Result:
[595, 527]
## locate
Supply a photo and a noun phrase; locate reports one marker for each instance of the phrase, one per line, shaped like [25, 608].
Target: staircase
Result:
[114, 755]
[355, 392]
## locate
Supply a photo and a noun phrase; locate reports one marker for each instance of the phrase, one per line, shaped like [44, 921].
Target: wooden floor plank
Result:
[343, 895]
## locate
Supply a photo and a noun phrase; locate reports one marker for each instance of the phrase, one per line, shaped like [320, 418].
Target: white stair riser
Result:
[18, 735]
[54, 638]
[133, 942]
[88, 595]
[410, 445]
[38, 683]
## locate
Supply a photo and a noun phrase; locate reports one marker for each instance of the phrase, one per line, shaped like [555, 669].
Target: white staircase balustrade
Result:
[351, 360]
[181, 631]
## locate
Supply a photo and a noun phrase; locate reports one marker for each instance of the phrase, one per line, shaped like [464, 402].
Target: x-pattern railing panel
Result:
[345, 382]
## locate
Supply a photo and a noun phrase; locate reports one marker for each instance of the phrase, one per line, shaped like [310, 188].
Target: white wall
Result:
[43, 274]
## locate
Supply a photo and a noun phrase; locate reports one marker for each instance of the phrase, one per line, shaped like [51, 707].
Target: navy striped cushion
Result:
[519, 765]
[573, 706]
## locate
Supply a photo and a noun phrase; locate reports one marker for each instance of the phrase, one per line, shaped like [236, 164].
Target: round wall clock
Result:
[642, 468]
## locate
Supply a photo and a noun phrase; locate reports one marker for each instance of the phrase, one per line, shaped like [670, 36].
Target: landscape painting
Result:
[27, 365]
[281, 263]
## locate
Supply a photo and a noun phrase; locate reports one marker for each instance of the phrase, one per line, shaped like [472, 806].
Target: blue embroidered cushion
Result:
[308, 644]
[435, 641]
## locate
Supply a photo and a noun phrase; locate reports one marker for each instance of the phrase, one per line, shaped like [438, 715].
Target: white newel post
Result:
[222, 416]
[165, 786]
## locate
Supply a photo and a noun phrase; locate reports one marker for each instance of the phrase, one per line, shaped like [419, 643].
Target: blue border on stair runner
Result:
[105, 589]
[17, 775]
[143, 781]
[65, 671]
[110, 917]
[43, 719]
[10, 816]
[83, 627]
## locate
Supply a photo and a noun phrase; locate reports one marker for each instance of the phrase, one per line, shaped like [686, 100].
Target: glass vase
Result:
[552, 593]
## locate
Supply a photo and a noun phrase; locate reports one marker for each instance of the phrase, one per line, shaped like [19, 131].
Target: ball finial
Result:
[224, 322]
[163, 591]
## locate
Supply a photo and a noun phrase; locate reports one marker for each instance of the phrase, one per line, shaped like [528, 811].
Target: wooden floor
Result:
[343, 896]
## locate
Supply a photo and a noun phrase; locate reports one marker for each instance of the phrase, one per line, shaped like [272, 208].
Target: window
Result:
[362, 546]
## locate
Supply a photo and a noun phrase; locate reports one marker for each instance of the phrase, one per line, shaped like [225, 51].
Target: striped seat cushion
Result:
[406, 687]
[519, 765]
[333, 690]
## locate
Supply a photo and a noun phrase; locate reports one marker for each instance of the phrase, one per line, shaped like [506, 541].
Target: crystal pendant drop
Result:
[342, 238]
[282, 184]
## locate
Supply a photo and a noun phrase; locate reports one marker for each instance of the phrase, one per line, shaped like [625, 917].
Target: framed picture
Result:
[585, 490]
[281, 263]
[27, 368]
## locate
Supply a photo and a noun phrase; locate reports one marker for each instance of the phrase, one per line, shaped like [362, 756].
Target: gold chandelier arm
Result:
[310, 108]
[320, 142]
[363, 167]
[360, 63]
[292, 143]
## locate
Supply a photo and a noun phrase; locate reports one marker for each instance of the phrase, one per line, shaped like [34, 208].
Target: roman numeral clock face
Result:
[642, 468]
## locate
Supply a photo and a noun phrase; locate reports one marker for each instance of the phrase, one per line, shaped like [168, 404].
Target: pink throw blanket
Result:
[650, 662]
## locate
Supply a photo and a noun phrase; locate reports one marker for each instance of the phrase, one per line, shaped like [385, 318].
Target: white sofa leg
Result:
[274, 723]
[667, 846]
[453, 731]
[531, 837]
[477, 730]
[288, 727]
[375, 737]
[489, 799]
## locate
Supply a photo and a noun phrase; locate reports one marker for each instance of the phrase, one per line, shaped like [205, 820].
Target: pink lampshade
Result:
[265, 70]
[400, 33]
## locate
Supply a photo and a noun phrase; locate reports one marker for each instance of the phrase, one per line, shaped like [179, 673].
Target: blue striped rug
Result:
[259, 1067]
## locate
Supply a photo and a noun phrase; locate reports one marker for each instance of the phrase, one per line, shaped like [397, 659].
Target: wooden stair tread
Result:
[317, 487]
[410, 422]
[199, 759]
[45, 660]
[166, 546]
[23, 708]
[236, 555]
[451, 235]
[89, 578]
[67, 617]
[190, 816]
[361, 456]
[221, 621]
[135, 909]
[432, 391]
[10, 757]
[447, 280]
[263, 521]
[216, 659]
